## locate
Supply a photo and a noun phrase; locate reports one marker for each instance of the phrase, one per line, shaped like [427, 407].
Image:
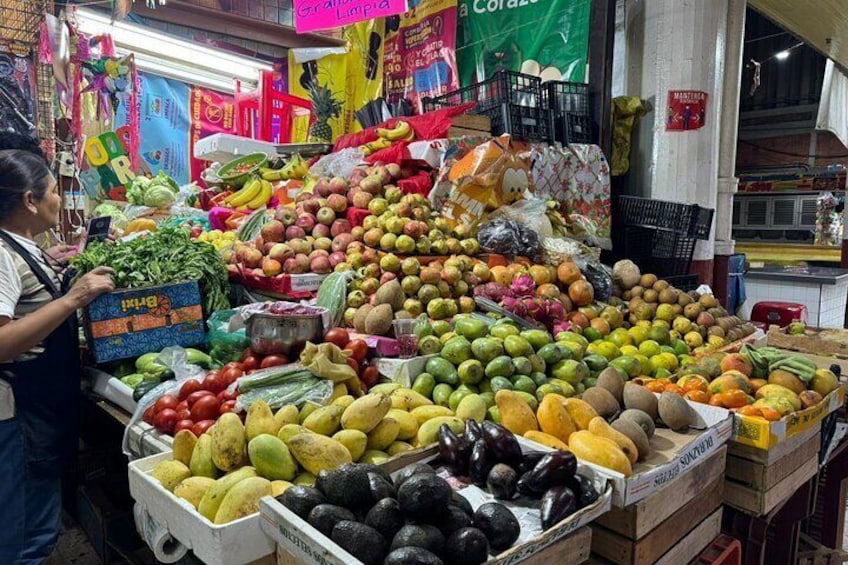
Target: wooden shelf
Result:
[788, 252]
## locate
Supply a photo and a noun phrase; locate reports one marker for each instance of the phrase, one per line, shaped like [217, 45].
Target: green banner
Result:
[546, 38]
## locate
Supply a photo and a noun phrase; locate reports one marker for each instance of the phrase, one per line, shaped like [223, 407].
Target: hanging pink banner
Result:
[315, 15]
[210, 112]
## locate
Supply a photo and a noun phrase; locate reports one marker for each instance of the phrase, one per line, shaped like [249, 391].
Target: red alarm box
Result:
[778, 313]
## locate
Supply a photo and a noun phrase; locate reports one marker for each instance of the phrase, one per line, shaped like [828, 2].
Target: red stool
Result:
[256, 110]
[724, 550]
[778, 313]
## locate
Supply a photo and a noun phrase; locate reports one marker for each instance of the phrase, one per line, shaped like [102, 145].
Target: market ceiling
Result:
[822, 24]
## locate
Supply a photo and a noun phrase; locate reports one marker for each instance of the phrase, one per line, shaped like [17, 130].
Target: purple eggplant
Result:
[554, 468]
[558, 503]
[529, 460]
[584, 490]
[502, 445]
[473, 431]
[453, 450]
[480, 464]
[526, 486]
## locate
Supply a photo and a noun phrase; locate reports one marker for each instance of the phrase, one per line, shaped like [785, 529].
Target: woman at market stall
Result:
[39, 361]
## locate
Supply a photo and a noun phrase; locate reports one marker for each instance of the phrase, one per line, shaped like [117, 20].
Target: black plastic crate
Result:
[683, 283]
[513, 101]
[659, 251]
[569, 111]
[689, 220]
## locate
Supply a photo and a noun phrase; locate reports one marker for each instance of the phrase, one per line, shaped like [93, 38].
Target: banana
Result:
[272, 174]
[262, 198]
[246, 194]
[376, 145]
[401, 130]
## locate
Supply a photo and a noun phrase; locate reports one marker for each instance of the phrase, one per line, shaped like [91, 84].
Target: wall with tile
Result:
[825, 303]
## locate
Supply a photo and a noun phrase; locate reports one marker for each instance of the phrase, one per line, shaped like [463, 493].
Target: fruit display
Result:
[255, 194]
[296, 169]
[387, 137]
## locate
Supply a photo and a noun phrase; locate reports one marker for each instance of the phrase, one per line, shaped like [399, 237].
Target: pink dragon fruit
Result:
[493, 291]
[514, 305]
[523, 285]
[555, 309]
[535, 308]
[563, 326]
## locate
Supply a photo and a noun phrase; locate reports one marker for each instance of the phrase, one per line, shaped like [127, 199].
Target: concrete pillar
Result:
[680, 45]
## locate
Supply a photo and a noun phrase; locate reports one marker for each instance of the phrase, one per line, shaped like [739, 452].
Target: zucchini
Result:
[143, 388]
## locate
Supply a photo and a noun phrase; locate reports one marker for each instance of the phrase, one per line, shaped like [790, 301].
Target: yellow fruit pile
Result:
[218, 238]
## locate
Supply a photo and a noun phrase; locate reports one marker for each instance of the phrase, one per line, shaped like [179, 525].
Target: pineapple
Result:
[324, 108]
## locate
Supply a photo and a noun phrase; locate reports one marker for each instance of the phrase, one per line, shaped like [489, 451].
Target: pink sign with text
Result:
[315, 15]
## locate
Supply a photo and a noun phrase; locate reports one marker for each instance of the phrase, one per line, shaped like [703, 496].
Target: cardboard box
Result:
[130, 322]
[308, 545]
[241, 541]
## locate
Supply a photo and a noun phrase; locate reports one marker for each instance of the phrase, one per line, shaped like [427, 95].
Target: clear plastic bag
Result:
[507, 237]
[225, 345]
[338, 164]
[530, 213]
[297, 391]
[332, 296]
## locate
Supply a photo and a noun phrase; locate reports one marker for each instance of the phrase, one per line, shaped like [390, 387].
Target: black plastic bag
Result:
[509, 238]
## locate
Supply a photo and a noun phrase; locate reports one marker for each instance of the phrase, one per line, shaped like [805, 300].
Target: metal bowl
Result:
[280, 333]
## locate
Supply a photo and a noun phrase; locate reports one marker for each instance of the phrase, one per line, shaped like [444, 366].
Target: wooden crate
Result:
[678, 539]
[810, 552]
[758, 480]
[638, 520]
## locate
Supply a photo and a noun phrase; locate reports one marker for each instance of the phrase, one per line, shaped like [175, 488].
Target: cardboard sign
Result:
[314, 15]
[687, 110]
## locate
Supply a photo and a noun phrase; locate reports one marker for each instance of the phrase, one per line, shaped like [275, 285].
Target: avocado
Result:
[371, 468]
[422, 535]
[453, 519]
[385, 517]
[346, 486]
[380, 488]
[412, 556]
[418, 468]
[501, 481]
[467, 546]
[422, 496]
[363, 542]
[462, 503]
[498, 524]
[301, 500]
[324, 517]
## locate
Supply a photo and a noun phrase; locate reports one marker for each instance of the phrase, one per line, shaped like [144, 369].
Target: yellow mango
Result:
[600, 427]
[383, 435]
[260, 420]
[344, 401]
[285, 415]
[408, 399]
[288, 431]
[201, 464]
[183, 447]
[407, 422]
[366, 412]
[228, 442]
[554, 419]
[516, 415]
[325, 420]
[242, 500]
[429, 431]
[423, 414]
[354, 440]
[398, 447]
[581, 412]
[546, 439]
[316, 453]
[339, 390]
[192, 489]
[279, 487]
[599, 450]
[170, 473]
[215, 494]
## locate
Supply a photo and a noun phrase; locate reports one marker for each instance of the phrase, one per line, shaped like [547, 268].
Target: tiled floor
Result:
[73, 547]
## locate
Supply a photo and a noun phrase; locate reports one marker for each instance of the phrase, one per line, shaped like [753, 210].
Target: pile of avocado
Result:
[415, 519]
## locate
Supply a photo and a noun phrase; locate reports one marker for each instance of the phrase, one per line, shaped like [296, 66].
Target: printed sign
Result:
[314, 15]
[687, 110]
[108, 168]
[210, 112]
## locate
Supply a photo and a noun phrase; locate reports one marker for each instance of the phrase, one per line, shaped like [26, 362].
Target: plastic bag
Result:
[224, 345]
[509, 238]
[339, 164]
[600, 277]
[332, 296]
[558, 250]
[298, 390]
[531, 213]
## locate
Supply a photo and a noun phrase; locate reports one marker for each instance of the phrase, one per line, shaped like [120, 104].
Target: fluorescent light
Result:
[179, 72]
[782, 56]
[164, 50]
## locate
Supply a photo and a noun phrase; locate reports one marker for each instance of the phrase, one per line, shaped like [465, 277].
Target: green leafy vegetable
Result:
[142, 186]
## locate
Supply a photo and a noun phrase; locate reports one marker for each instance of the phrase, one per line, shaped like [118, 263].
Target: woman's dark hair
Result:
[20, 172]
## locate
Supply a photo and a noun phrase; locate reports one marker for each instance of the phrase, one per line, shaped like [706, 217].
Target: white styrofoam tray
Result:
[111, 388]
[241, 541]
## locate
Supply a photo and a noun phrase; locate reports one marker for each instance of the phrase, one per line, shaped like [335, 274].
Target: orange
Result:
[568, 273]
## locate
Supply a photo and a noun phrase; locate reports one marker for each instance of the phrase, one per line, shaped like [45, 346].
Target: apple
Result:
[337, 202]
[322, 187]
[326, 215]
[252, 258]
[311, 206]
[285, 215]
[337, 257]
[320, 265]
[271, 267]
[280, 252]
[339, 227]
[357, 232]
[387, 278]
[294, 232]
[320, 230]
[319, 253]
[300, 246]
[342, 242]
[362, 199]
[305, 222]
[323, 243]
[351, 194]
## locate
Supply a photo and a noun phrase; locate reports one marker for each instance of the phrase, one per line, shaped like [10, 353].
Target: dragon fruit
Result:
[514, 305]
[535, 308]
[493, 291]
[555, 309]
[563, 326]
[523, 285]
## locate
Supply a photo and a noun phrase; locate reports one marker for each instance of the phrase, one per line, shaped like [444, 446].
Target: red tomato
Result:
[229, 376]
[195, 396]
[184, 413]
[337, 336]
[359, 349]
[354, 364]
[228, 406]
[200, 428]
[183, 424]
[274, 361]
[215, 383]
[226, 395]
[251, 363]
[189, 387]
[165, 420]
[205, 409]
[370, 376]
[166, 401]
[247, 353]
[182, 404]
[233, 365]
[149, 414]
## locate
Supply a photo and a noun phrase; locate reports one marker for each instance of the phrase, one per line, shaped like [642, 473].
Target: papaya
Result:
[581, 412]
[600, 427]
[516, 415]
[599, 450]
[228, 439]
[546, 439]
[366, 412]
[554, 419]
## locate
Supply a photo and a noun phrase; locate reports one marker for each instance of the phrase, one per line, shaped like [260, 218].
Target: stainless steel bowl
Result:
[280, 333]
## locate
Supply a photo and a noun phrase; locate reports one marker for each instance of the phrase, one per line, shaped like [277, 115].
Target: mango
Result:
[260, 420]
[470, 328]
[536, 338]
[304, 479]
[398, 447]
[374, 457]
[339, 390]
[778, 403]
[170, 473]
[183, 446]
[517, 346]
[546, 439]
[599, 427]
[354, 440]
[485, 349]
[344, 401]
[325, 420]
[279, 487]
[500, 366]
[730, 381]
[288, 431]
[407, 422]
[824, 382]
[570, 371]
[286, 415]
[228, 442]
[599, 450]
[201, 464]
[366, 412]
[456, 350]
[442, 370]
[554, 419]
[778, 391]
[316, 453]
[472, 407]
[787, 380]
[215, 494]
[384, 388]
[423, 414]
[407, 399]
[429, 431]
[516, 415]
[192, 489]
[271, 458]
[383, 434]
[581, 412]
[308, 408]
[243, 499]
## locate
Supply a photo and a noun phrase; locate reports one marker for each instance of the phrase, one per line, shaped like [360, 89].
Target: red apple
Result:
[273, 231]
[326, 216]
[339, 227]
[321, 231]
[337, 202]
[337, 257]
[306, 222]
[294, 232]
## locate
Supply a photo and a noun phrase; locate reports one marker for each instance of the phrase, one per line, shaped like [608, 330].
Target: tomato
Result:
[229, 376]
[166, 401]
[184, 413]
[337, 336]
[274, 361]
[182, 404]
[228, 406]
[184, 424]
[354, 364]
[251, 363]
[233, 365]
[247, 353]
[200, 428]
[226, 395]
[205, 409]
[359, 349]
[195, 396]
[215, 383]
[370, 376]
[189, 387]
[149, 414]
[165, 421]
